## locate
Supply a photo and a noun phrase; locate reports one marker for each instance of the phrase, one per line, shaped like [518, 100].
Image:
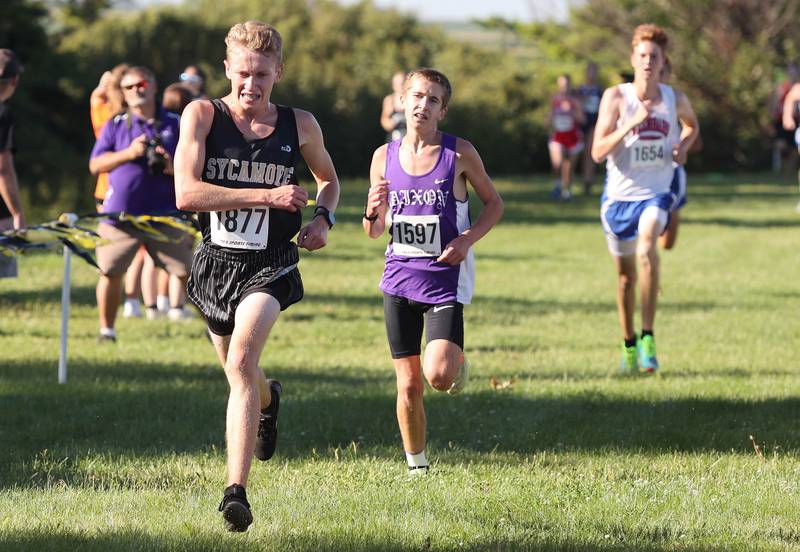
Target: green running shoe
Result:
[629, 364]
[647, 354]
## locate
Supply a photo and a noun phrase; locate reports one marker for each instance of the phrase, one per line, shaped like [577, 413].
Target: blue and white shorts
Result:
[623, 221]
[678, 187]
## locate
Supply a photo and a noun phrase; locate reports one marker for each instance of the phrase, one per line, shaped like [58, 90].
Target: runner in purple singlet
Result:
[419, 193]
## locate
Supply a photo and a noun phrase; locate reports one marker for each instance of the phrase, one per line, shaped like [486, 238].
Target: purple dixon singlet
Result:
[424, 217]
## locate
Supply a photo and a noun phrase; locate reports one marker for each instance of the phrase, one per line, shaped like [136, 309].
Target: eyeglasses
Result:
[187, 77]
[140, 84]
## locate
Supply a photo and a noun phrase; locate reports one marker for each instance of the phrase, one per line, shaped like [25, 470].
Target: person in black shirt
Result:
[10, 206]
[235, 165]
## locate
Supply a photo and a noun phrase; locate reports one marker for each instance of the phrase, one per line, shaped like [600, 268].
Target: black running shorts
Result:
[220, 280]
[405, 319]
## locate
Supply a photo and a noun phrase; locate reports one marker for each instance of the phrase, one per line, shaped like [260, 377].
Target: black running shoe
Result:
[267, 438]
[235, 509]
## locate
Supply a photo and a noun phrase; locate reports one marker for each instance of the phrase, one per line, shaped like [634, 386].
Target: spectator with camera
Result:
[136, 149]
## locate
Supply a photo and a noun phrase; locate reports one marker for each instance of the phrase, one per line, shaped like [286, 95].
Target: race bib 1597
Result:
[416, 236]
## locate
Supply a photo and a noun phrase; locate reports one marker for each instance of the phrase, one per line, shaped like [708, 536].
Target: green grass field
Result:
[129, 455]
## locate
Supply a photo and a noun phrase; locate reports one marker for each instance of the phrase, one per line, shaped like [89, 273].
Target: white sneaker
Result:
[132, 309]
[162, 304]
[418, 471]
[178, 314]
[152, 313]
[461, 380]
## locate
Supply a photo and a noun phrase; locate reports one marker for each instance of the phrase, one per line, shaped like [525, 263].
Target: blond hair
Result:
[649, 32]
[257, 36]
[432, 75]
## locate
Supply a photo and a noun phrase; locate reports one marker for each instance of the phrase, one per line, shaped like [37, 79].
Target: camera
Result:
[156, 162]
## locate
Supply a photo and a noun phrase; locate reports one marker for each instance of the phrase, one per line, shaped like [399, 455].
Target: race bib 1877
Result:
[416, 236]
[241, 228]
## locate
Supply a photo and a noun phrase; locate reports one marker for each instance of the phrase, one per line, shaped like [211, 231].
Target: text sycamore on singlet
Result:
[235, 162]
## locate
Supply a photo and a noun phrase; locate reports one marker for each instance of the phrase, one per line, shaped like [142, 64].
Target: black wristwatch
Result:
[373, 218]
[325, 212]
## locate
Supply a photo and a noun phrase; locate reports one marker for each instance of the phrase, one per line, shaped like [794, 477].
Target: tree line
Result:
[726, 54]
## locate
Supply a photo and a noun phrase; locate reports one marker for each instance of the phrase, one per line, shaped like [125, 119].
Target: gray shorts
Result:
[113, 259]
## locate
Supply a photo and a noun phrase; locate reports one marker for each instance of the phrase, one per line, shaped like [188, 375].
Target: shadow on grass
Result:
[744, 223]
[500, 304]
[79, 295]
[159, 410]
[643, 540]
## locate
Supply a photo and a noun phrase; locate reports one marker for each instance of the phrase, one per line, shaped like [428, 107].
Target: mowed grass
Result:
[129, 454]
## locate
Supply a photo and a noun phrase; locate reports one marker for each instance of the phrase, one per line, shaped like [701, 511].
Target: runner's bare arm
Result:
[9, 190]
[690, 127]
[377, 198]
[606, 134]
[789, 107]
[386, 113]
[312, 146]
[470, 165]
[193, 194]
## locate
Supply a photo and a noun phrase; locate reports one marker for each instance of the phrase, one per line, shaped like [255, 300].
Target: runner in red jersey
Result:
[566, 139]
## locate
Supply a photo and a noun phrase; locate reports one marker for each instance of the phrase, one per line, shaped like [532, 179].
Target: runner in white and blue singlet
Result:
[638, 136]
[419, 191]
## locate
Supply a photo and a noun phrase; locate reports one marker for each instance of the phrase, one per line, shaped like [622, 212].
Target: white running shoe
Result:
[162, 304]
[132, 309]
[461, 380]
[152, 313]
[178, 314]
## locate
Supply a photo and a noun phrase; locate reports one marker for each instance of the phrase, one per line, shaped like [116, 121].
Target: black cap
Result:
[10, 65]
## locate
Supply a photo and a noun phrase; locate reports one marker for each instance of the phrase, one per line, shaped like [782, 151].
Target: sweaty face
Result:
[423, 102]
[647, 60]
[252, 75]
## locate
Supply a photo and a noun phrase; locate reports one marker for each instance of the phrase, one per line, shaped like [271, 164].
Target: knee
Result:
[439, 381]
[409, 390]
[648, 257]
[240, 371]
[439, 372]
[626, 281]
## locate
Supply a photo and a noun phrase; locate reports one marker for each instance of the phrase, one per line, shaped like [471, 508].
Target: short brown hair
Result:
[257, 36]
[176, 97]
[650, 32]
[432, 75]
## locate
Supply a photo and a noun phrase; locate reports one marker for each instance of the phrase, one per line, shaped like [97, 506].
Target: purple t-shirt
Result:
[131, 187]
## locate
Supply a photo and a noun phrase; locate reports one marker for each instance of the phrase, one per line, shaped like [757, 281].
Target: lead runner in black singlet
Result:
[235, 166]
